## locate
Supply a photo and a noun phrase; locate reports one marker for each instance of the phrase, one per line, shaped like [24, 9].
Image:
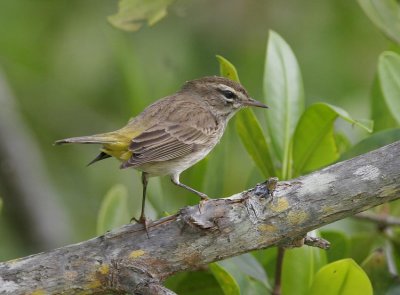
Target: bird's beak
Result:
[254, 103]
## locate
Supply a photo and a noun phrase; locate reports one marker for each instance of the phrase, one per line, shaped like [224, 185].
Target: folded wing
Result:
[163, 143]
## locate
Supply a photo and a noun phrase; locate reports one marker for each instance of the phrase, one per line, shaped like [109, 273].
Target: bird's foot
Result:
[144, 221]
[204, 199]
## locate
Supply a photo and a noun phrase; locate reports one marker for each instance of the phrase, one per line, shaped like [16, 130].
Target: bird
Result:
[173, 133]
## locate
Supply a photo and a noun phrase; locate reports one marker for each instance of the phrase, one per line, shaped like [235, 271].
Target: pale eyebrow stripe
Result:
[225, 87]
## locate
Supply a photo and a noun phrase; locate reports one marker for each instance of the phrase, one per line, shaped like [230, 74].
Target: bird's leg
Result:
[203, 196]
[145, 181]
[142, 219]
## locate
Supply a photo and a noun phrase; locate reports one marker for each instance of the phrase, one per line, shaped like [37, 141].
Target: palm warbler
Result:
[175, 132]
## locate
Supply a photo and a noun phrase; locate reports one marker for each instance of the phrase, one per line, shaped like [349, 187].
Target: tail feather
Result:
[99, 157]
[113, 144]
[98, 138]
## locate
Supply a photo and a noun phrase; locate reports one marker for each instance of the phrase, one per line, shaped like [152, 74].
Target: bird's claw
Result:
[144, 221]
[204, 199]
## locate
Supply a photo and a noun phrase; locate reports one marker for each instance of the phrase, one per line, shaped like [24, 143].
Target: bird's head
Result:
[224, 96]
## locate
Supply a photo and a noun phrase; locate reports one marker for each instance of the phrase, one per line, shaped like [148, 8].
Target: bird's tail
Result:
[114, 144]
[103, 138]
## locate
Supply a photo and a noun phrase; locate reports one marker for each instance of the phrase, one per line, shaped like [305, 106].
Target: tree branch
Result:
[125, 260]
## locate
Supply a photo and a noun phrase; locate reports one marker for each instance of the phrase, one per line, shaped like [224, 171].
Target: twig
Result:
[278, 271]
[317, 242]
[381, 220]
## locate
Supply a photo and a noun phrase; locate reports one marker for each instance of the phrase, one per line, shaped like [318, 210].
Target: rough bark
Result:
[126, 260]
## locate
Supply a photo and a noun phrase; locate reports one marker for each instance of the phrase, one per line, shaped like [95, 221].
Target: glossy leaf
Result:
[267, 258]
[314, 143]
[361, 246]
[342, 277]
[394, 247]
[227, 69]
[283, 91]
[253, 139]
[113, 210]
[389, 78]
[194, 283]
[372, 142]
[299, 268]
[385, 14]
[365, 124]
[132, 14]
[377, 269]
[254, 287]
[392, 253]
[248, 273]
[343, 143]
[249, 128]
[340, 244]
[227, 283]
[380, 113]
[196, 176]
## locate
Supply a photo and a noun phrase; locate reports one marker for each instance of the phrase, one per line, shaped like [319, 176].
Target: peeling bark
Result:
[126, 260]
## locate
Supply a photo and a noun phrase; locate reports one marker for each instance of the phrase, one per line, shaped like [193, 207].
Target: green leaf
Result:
[1, 204]
[227, 283]
[249, 128]
[194, 283]
[343, 144]
[283, 91]
[253, 139]
[380, 113]
[267, 258]
[248, 273]
[314, 143]
[372, 142]
[196, 176]
[393, 246]
[227, 69]
[113, 210]
[133, 13]
[299, 268]
[385, 14]
[361, 245]
[343, 277]
[376, 267]
[365, 124]
[340, 244]
[389, 78]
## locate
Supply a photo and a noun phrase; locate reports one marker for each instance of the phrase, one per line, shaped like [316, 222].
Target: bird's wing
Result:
[167, 142]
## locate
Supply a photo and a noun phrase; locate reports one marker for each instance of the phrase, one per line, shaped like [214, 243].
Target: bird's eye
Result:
[229, 94]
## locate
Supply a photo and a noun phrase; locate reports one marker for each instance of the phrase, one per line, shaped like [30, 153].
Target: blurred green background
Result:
[66, 71]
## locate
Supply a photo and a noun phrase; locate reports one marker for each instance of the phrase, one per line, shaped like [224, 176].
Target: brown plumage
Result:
[175, 132]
